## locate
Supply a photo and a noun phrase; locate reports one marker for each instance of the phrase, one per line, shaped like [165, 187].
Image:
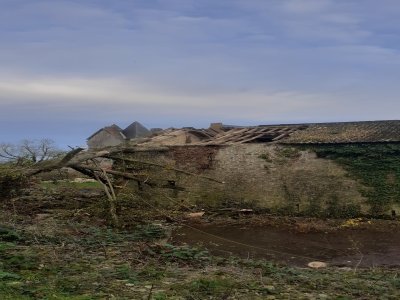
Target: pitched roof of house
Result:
[136, 130]
[347, 132]
[113, 129]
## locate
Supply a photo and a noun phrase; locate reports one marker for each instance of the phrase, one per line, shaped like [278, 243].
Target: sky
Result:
[68, 68]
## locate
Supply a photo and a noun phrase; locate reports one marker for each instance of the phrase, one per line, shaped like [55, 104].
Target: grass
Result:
[98, 263]
[50, 185]
[70, 254]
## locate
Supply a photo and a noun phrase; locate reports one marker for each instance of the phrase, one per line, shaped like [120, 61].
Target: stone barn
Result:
[330, 169]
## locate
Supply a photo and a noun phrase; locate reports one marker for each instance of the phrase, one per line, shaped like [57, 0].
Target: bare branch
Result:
[7, 150]
[164, 167]
[32, 151]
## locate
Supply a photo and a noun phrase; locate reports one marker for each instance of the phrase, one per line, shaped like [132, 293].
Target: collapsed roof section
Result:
[219, 134]
[182, 136]
[316, 133]
[253, 134]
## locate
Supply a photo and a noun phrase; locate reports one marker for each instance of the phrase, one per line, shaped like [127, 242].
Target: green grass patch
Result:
[62, 184]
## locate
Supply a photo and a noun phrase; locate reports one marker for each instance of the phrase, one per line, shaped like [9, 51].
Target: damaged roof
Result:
[312, 133]
[253, 134]
[347, 132]
[181, 136]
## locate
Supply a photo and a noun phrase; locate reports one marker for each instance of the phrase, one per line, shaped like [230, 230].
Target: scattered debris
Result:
[81, 180]
[317, 265]
[246, 210]
[195, 214]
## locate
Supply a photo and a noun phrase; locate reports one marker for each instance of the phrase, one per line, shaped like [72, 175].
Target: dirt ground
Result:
[350, 243]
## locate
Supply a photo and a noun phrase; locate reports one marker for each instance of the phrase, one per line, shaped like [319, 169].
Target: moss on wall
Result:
[377, 166]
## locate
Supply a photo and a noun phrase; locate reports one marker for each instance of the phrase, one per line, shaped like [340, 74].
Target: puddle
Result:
[346, 248]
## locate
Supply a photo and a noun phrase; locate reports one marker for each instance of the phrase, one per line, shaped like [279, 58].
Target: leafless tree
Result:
[33, 151]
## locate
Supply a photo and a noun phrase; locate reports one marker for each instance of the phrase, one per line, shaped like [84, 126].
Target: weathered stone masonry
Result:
[279, 178]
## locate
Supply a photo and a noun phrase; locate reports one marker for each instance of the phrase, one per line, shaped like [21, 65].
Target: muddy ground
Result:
[56, 243]
[343, 247]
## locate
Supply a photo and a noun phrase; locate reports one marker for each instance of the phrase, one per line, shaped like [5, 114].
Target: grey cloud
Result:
[306, 6]
[37, 15]
[95, 62]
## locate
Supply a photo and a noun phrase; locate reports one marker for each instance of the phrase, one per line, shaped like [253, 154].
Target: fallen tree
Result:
[86, 163]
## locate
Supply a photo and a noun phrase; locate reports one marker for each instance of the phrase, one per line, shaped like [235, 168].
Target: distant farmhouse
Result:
[113, 135]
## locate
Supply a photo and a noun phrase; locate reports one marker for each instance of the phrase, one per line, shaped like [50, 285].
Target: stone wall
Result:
[278, 178]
